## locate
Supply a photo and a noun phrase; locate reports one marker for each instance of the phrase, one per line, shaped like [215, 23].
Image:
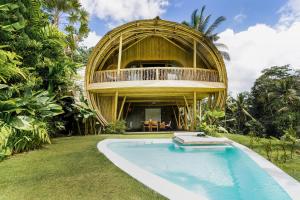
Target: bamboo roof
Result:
[180, 36]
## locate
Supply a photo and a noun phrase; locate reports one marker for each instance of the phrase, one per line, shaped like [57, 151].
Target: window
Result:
[153, 114]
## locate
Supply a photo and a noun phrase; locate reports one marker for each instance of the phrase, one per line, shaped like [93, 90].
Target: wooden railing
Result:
[157, 73]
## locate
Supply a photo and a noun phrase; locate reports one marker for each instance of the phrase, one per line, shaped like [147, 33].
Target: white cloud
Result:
[91, 40]
[289, 13]
[125, 10]
[257, 48]
[239, 18]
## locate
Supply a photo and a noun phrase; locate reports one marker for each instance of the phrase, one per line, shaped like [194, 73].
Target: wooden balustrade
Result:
[157, 73]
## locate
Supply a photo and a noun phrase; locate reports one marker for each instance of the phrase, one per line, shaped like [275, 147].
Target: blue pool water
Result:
[216, 173]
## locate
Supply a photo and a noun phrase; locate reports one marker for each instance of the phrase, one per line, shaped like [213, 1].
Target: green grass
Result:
[73, 168]
[292, 166]
[70, 168]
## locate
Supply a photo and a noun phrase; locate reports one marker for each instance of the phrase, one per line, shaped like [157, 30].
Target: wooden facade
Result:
[154, 63]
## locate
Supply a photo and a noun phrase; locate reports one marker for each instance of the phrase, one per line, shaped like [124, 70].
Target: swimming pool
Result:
[224, 172]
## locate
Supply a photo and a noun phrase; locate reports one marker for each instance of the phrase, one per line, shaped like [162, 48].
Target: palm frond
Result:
[204, 24]
[84, 15]
[73, 17]
[214, 25]
[225, 55]
[214, 37]
[202, 13]
[221, 46]
[194, 19]
[186, 23]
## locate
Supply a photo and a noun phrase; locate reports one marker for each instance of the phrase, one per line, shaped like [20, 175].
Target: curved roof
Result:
[179, 34]
[132, 31]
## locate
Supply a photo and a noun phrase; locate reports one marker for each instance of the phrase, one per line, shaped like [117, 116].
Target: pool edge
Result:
[290, 185]
[154, 182]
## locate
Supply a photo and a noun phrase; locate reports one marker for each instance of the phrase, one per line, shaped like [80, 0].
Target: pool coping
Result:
[288, 183]
[156, 183]
[173, 191]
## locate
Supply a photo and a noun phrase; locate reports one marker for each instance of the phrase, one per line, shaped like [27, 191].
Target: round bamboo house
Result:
[154, 70]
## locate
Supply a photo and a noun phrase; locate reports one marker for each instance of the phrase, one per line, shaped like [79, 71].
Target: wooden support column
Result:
[195, 55]
[180, 117]
[120, 54]
[200, 111]
[179, 120]
[195, 60]
[187, 106]
[195, 111]
[209, 100]
[121, 109]
[185, 119]
[115, 110]
[188, 113]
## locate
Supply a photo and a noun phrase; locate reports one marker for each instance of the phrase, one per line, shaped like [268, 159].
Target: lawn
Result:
[72, 168]
[292, 167]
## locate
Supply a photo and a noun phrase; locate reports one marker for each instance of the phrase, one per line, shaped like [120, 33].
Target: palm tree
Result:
[70, 16]
[200, 22]
[284, 96]
[239, 110]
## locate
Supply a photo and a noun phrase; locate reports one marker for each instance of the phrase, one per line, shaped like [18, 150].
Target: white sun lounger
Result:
[194, 140]
[187, 133]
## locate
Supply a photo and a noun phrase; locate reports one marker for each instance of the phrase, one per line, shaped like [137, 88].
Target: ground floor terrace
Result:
[154, 112]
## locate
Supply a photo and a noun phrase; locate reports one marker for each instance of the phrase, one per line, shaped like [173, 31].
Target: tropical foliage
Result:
[85, 116]
[37, 75]
[116, 127]
[211, 122]
[271, 109]
[71, 17]
[275, 99]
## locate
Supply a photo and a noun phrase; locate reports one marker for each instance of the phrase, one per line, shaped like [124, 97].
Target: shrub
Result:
[290, 136]
[252, 136]
[117, 127]
[211, 123]
[268, 147]
[24, 121]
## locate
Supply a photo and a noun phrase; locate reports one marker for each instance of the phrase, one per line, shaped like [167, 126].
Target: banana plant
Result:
[23, 120]
[85, 116]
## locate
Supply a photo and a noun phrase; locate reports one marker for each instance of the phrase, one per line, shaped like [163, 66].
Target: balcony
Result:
[156, 73]
[156, 80]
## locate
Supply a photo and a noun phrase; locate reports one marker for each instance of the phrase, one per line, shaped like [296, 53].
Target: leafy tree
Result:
[239, 117]
[275, 101]
[36, 75]
[200, 22]
[73, 15]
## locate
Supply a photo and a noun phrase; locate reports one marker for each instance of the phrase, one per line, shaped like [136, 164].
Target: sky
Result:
[259, 33]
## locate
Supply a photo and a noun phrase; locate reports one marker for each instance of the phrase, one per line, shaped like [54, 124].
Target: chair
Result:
[168, 126]
[147, 125]
[154, 125]
[162, 126]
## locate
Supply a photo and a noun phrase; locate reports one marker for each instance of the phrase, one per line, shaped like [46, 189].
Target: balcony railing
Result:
[157, 73]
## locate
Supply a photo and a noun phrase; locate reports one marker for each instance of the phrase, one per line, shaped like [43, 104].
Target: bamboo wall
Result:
[155, 48]
[105, 106]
